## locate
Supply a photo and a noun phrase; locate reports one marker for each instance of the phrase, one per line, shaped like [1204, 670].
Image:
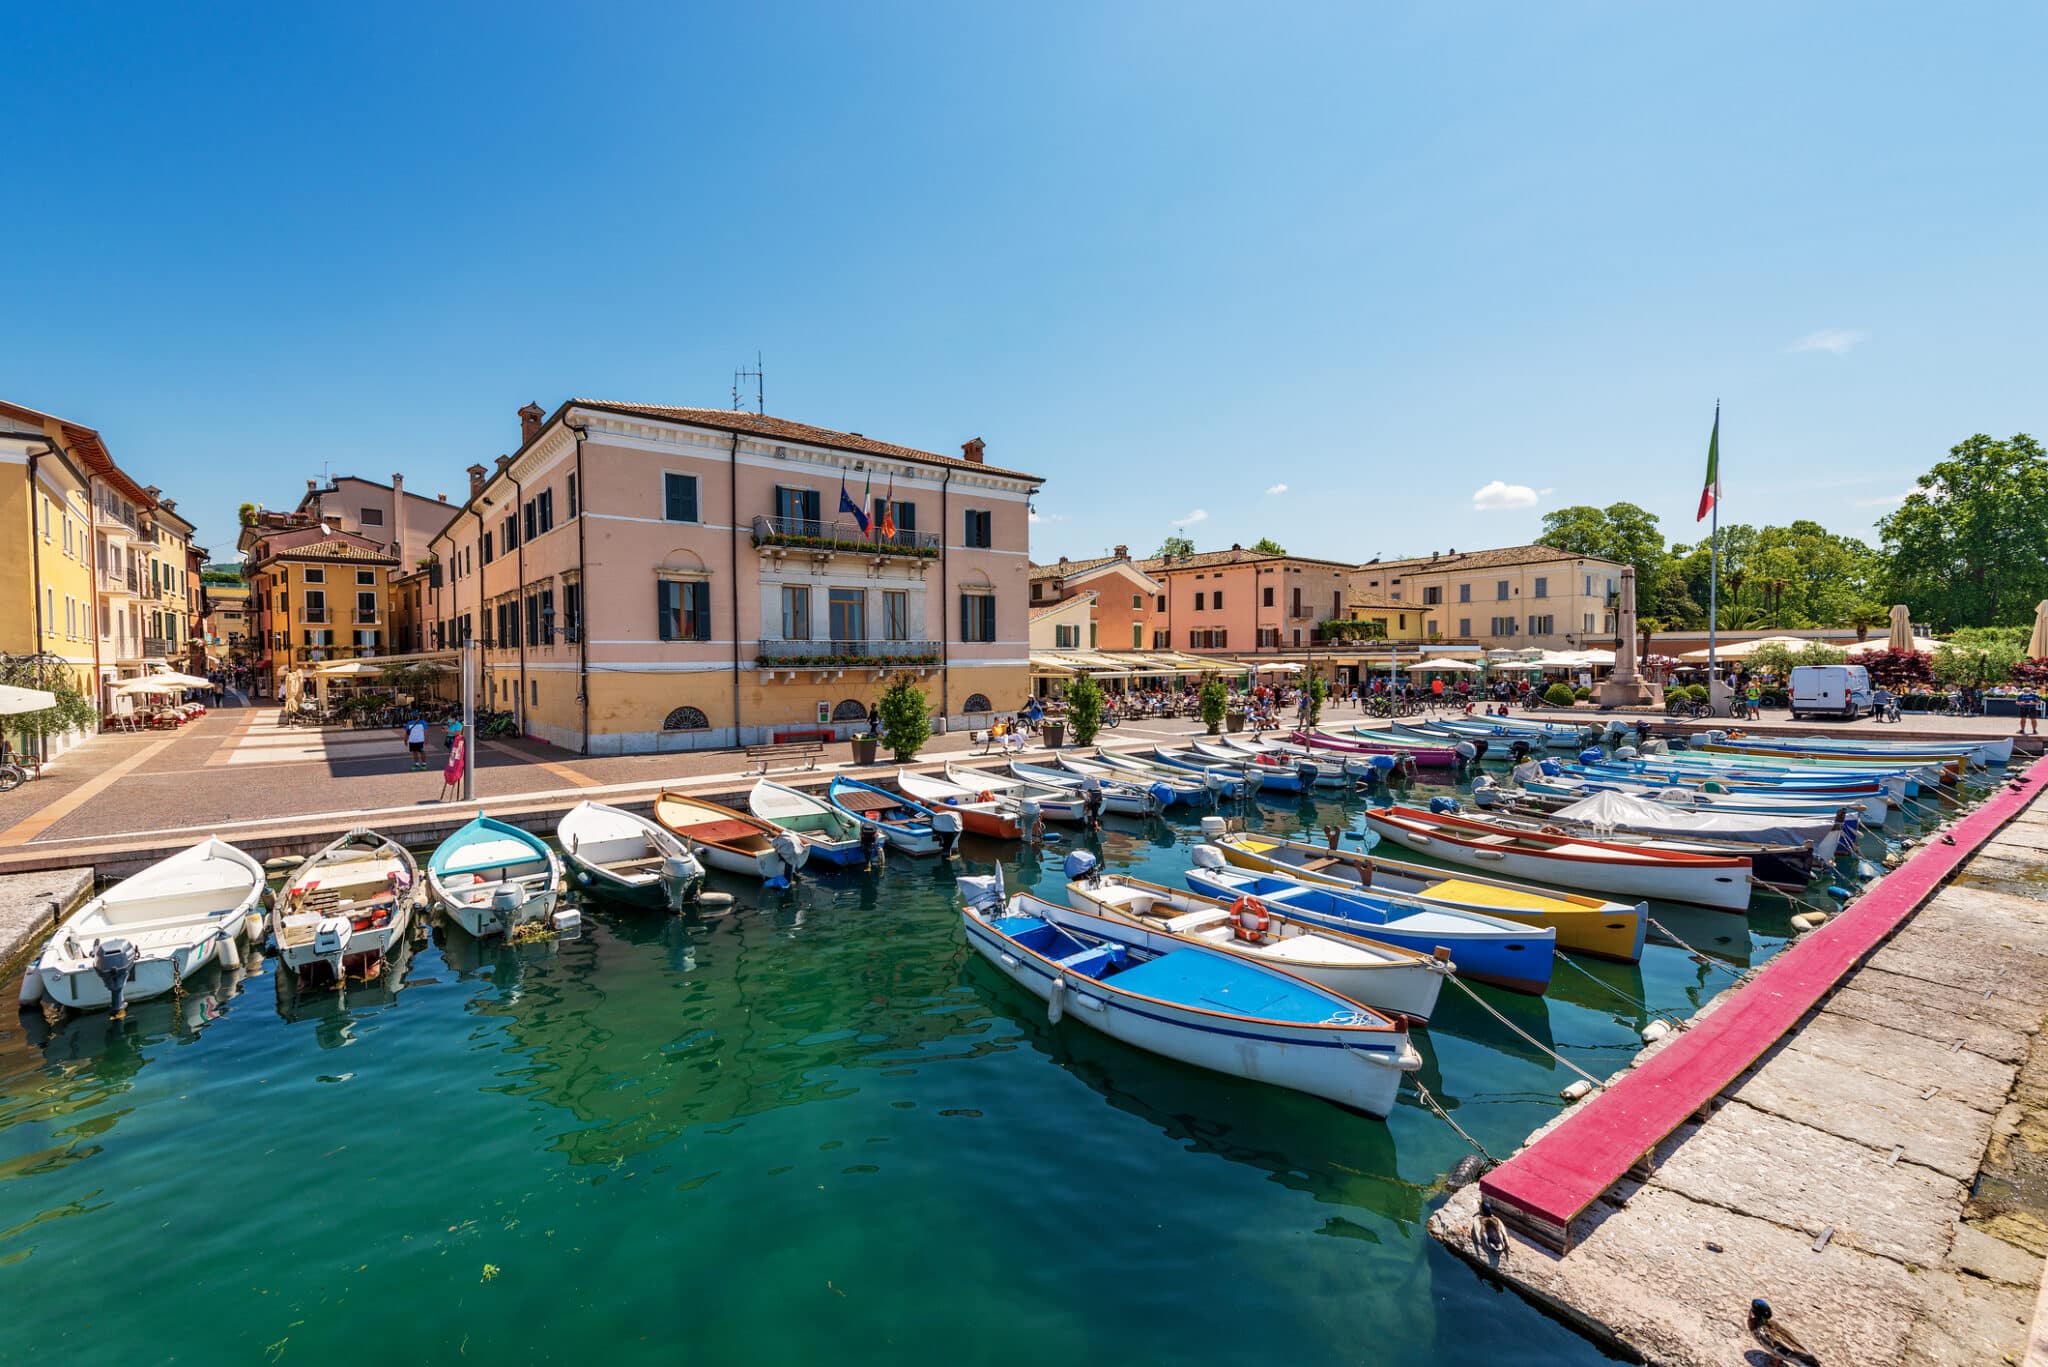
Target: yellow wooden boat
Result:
[1584, 925]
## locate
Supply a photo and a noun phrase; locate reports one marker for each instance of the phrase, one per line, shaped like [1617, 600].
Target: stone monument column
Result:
[1625, 686]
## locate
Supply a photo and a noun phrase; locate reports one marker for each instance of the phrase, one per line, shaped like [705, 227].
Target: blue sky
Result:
[1318, 273]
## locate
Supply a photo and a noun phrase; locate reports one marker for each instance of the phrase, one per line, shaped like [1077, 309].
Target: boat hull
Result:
[82, 990]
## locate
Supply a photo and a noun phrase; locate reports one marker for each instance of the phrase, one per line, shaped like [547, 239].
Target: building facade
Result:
[46, 573]
[315, 595]
[647, 578]
[1510, 598]
[1123, 605]
[1240, 603]
[390, 516]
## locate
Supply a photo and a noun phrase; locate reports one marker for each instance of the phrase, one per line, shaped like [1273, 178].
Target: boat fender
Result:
[568, 923]
[1465, 1172]
[1056, 1001]
[113, 962]
[1838, 892]
[1249, 920]
[1161, 794]
[714, 899]
[1811, 920]
[1656, 1030]
[1443, 805]
[1578, 1091]
[1208, 857]
[1591, 755]
[583, 877]
[31, 987]
[230, 953]
[1213, 827]
[1080, 866]
[1626, 752]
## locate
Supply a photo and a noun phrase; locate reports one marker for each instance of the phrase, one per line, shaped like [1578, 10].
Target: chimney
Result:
[1235, 547]
[169, 505]
[1063, 562]
[970, 451]
[530, 419]
[1123, 552]
[311, 485]
[398, 517]
[504, 463]
[442, 497]
[476, 480]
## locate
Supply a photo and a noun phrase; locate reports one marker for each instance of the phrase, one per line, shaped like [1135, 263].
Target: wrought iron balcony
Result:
[313, 614]
[861, 654]
[154, 647]
[817, 534]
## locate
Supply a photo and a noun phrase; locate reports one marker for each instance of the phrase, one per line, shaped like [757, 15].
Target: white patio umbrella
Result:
[2037, 644]
[14, 701]
[1452, 666]
[1902, 627]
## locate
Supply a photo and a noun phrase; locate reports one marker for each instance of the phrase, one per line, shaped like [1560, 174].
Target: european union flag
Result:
[847, 505]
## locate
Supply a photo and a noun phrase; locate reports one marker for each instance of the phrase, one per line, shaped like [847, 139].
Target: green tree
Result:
[247, 514]
[1174, 545]
[1980, 655]
[1215, 699]
[74, 711]
[906, 718]
[1965, 546]
[1318, 692]
[1266, 545]
[1621, 532]
[1084, 709]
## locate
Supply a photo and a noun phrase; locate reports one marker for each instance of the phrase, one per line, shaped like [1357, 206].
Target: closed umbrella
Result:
[1902, 628]
[2037, 644]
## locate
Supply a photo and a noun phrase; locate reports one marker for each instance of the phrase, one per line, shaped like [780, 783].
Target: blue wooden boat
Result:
[494, 877]
[1190, 1002]
[1485, 948]
[907, 825]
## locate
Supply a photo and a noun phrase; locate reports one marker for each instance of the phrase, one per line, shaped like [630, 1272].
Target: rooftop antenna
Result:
[739, 377]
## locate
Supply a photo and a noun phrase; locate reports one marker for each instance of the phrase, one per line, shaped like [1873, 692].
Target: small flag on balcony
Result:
[847, 505]
[887, 530]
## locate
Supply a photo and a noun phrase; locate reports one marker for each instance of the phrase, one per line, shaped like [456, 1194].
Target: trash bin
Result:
[1235, 719]
[1054, 733]
[864, 749]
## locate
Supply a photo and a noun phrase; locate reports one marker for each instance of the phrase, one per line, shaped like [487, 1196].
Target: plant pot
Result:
[1055, 734]
[906, 756]
[1236, 721]
[864, 749]
[1215, 728]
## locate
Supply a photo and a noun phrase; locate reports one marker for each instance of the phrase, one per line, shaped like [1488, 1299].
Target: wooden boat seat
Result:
[1196, 920]
[722, 832]
[1493, 839]
[1316, 865]
[629, 865]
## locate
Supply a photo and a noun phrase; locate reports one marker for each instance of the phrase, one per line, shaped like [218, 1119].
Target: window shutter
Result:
[702, 590]
[965, 604]
[661, 610]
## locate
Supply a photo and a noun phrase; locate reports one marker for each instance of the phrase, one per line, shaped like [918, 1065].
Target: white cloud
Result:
[1198, 515]
[1834, 341]
[1277, 489]
[1495, 494]
[1884, 500]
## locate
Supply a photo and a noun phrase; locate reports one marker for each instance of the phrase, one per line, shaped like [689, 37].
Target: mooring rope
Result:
[1445, 1116]
[1486, 1006]
[1699, 955]
[1600, 982]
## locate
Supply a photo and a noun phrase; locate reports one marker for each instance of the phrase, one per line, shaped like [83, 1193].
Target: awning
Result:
[1455, 666]
[14, 701]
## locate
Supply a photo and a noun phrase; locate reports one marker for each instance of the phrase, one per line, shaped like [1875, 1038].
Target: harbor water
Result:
[814, 1128]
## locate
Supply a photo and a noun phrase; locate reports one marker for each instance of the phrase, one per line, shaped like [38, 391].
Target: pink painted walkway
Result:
[1550, 1183]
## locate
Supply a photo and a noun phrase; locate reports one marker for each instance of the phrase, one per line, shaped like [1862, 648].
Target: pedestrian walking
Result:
[2030, 713]
[416, 741]
[874, 719]
[451, 775]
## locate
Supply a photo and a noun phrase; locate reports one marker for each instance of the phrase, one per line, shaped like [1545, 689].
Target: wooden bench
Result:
[789, 752]
[1010, 742]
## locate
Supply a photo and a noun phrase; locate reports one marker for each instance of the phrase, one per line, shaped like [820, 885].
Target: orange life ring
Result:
[1249, 920]
[984, 796]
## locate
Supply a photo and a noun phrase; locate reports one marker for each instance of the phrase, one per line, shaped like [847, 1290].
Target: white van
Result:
[1830, 690]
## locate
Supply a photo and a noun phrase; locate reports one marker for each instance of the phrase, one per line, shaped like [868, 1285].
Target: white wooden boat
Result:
[1051, 803]
[730, 840]
[833, 836]
[1122, 796]
[1718, 881]
[493, 877]
[624, 857]
[982, 811]
[1189, 1001]
[341, 912]
[1385, 977]
[150, 932]
[1178, 785]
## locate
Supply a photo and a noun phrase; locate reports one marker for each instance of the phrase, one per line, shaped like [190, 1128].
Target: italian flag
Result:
[1711, 494]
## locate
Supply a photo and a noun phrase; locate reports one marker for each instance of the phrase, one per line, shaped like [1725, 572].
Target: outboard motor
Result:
[791, 849]
[946, 825]
[1214, 827]
[1715, 736]
[1486, 792]
[870, 843]
[982, 893]
[1091, 798]
[1030, 818]
[1308, 771]
[1080, 866]
[1518, 750]
[1527, 771]
[1625, 752]
[1617, 728]
[1469, 751]
[1162, 794]
[1208, 857]
[331, 935]
[682, 878]
[114, 962]
[506, 899]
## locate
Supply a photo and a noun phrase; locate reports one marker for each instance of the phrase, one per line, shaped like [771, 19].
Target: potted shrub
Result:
[906, 719]
[1084, 713]
[1318, 693]
[1559, 695]
[1215, 701]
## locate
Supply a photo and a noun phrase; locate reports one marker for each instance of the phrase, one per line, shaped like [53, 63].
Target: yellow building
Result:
[1515, 596]
[1387, 619]
[316, 595]
[46, 590]
[230, 636]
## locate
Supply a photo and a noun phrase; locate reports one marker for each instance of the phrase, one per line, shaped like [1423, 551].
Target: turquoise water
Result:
[818, 1127]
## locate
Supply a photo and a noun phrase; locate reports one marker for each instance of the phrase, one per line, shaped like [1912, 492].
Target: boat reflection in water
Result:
[335, 1010]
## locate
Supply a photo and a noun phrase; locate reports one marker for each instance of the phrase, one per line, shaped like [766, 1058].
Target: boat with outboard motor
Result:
[1719, 881]
[1188, 1001]
[1787, 866]
[733, 841]
[1828, 833]
[1188, 786]
[906, 824]
[1583, 924]
[1400, 982]
[343, 910]
[1483, 948]
[626, 858]
[150, 932]
[1251, 777]
[1974, 749]
[1333, 770]
[493, 877]
[1063, 794]
[832, 836]
[983, 811]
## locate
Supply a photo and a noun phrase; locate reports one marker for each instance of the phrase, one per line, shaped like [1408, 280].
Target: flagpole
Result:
[1714, 573]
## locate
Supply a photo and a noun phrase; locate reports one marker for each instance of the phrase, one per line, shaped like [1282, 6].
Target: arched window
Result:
[686, 719]
[852, 709]
[978, 702]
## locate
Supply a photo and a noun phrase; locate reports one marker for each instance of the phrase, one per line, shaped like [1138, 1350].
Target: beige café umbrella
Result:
[2037, 644]
[14, 701]
[1902, 627]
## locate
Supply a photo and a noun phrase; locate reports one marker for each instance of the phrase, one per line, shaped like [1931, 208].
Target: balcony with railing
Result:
[816, 534]
[109, 520]
[119, 581]
[156, 647]
[313, 614]
[780, 654]
[369, 618]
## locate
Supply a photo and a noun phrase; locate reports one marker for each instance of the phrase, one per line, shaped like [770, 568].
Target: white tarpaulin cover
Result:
[1620, 812]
